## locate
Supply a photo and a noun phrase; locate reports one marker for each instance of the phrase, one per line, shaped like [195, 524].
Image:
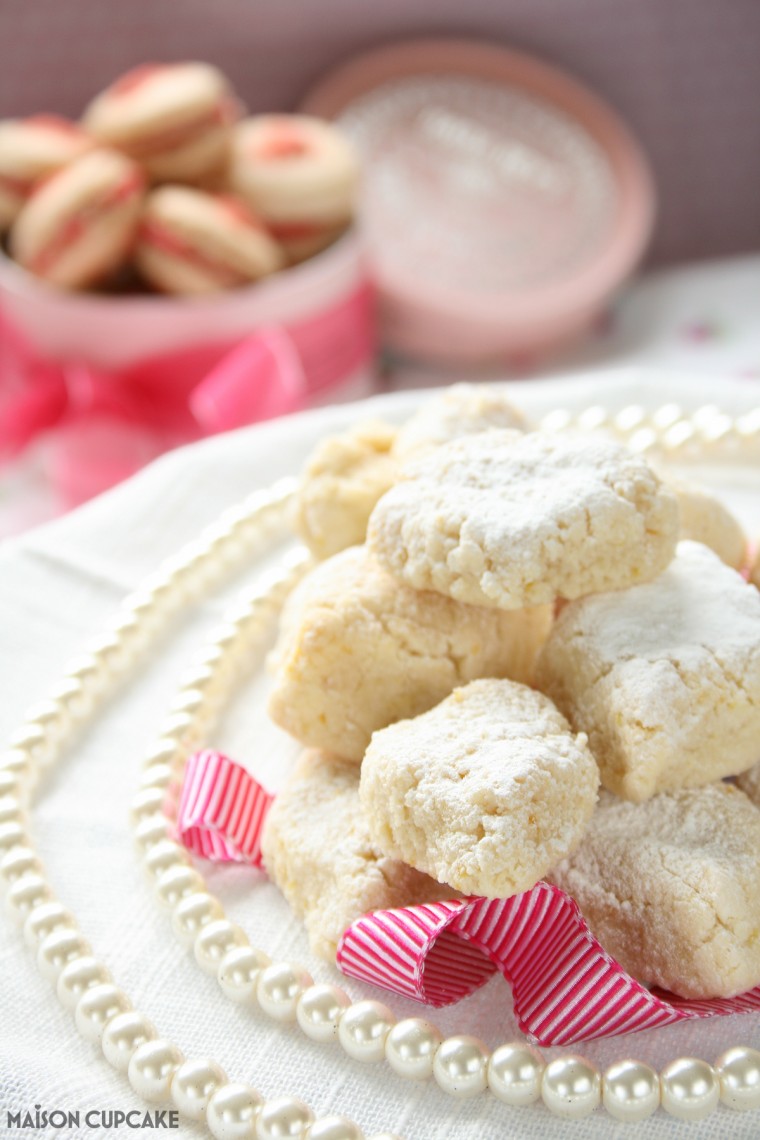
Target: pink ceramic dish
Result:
[503, 202]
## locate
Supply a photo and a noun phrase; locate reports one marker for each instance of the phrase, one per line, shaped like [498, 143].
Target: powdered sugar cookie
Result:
[509, 520]
[486, 792]
[317, 850]
[459, 410]
[671, 888]
[358, 651]
[705, 519]
[664, 678]
[342, 481]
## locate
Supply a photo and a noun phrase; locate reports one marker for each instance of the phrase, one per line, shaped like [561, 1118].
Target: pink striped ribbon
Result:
[565, 987]
[221, 810]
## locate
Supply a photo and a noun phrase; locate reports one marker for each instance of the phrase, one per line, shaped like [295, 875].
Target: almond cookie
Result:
[317, 850]
[509, 520]
[358, 651]
[341, 483]
[486, 792]
[664, 678]
[705, 519]
[462, 409]
[671, 888]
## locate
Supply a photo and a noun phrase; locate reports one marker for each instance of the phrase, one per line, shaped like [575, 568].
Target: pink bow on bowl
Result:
[102, 425]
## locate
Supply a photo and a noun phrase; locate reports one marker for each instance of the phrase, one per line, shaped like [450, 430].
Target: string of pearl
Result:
[103, 1012]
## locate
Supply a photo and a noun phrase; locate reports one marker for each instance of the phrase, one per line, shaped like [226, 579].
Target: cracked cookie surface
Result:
[671, 888]
[359, 650]
[509, 520]
[317, 849]
[664, 678]
[486, 792]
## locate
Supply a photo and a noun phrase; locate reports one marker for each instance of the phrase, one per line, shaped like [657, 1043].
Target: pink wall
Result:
[685, 73]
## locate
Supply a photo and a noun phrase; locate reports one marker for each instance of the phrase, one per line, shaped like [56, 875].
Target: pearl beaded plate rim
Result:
[66, 956]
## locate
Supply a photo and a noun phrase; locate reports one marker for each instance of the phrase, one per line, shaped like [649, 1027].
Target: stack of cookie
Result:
[163, 186]
[503, 620]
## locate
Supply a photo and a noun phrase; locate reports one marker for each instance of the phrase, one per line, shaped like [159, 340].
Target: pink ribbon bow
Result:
[566, 988]
[102, 426]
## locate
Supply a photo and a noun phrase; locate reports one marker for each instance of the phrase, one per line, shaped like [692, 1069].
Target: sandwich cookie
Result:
[78, 226]
[172, 118]
[193, 242]
[31, 149]
[300, 174]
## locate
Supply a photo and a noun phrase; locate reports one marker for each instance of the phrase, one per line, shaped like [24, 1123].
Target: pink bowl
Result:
[503, 201]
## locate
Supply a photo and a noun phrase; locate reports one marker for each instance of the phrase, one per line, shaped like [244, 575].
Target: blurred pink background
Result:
[684, 73]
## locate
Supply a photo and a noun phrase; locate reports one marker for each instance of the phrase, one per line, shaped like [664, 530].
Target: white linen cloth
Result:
[57, 586]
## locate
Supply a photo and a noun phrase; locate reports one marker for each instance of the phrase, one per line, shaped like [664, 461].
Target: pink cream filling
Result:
[162, 238]
[19, 186]
[175, 137]
[73, 228]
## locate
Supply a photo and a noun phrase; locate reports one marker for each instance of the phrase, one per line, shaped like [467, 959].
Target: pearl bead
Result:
[363, 1030]
[12, 810]
[158, 776]
[53, 718]
[571, 1087]
[26, 894]
[334, 1128]
[32, 739]
[195, 1082]
[57, 949]
[77, 977]
[18, 862]
[17, 763]
[10, 783]
[123, 1036]
[283, 1117]
[97, 1006]
[514, 1073]
[690, 1088]
[45, 920]
[216, 940]
[279, 987]
[319, 1011]
[72, 695]
[192, 913]
[166, 750]
[410, 1048]
[238, 973]
[147, 802]
[232, 1112]
[176, 883]
[631, 1091]
[184, 729]
[12, 835]
[461, 1066]
[738, 1071]
[151, 1070]
[164, 855]
[150, 831]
